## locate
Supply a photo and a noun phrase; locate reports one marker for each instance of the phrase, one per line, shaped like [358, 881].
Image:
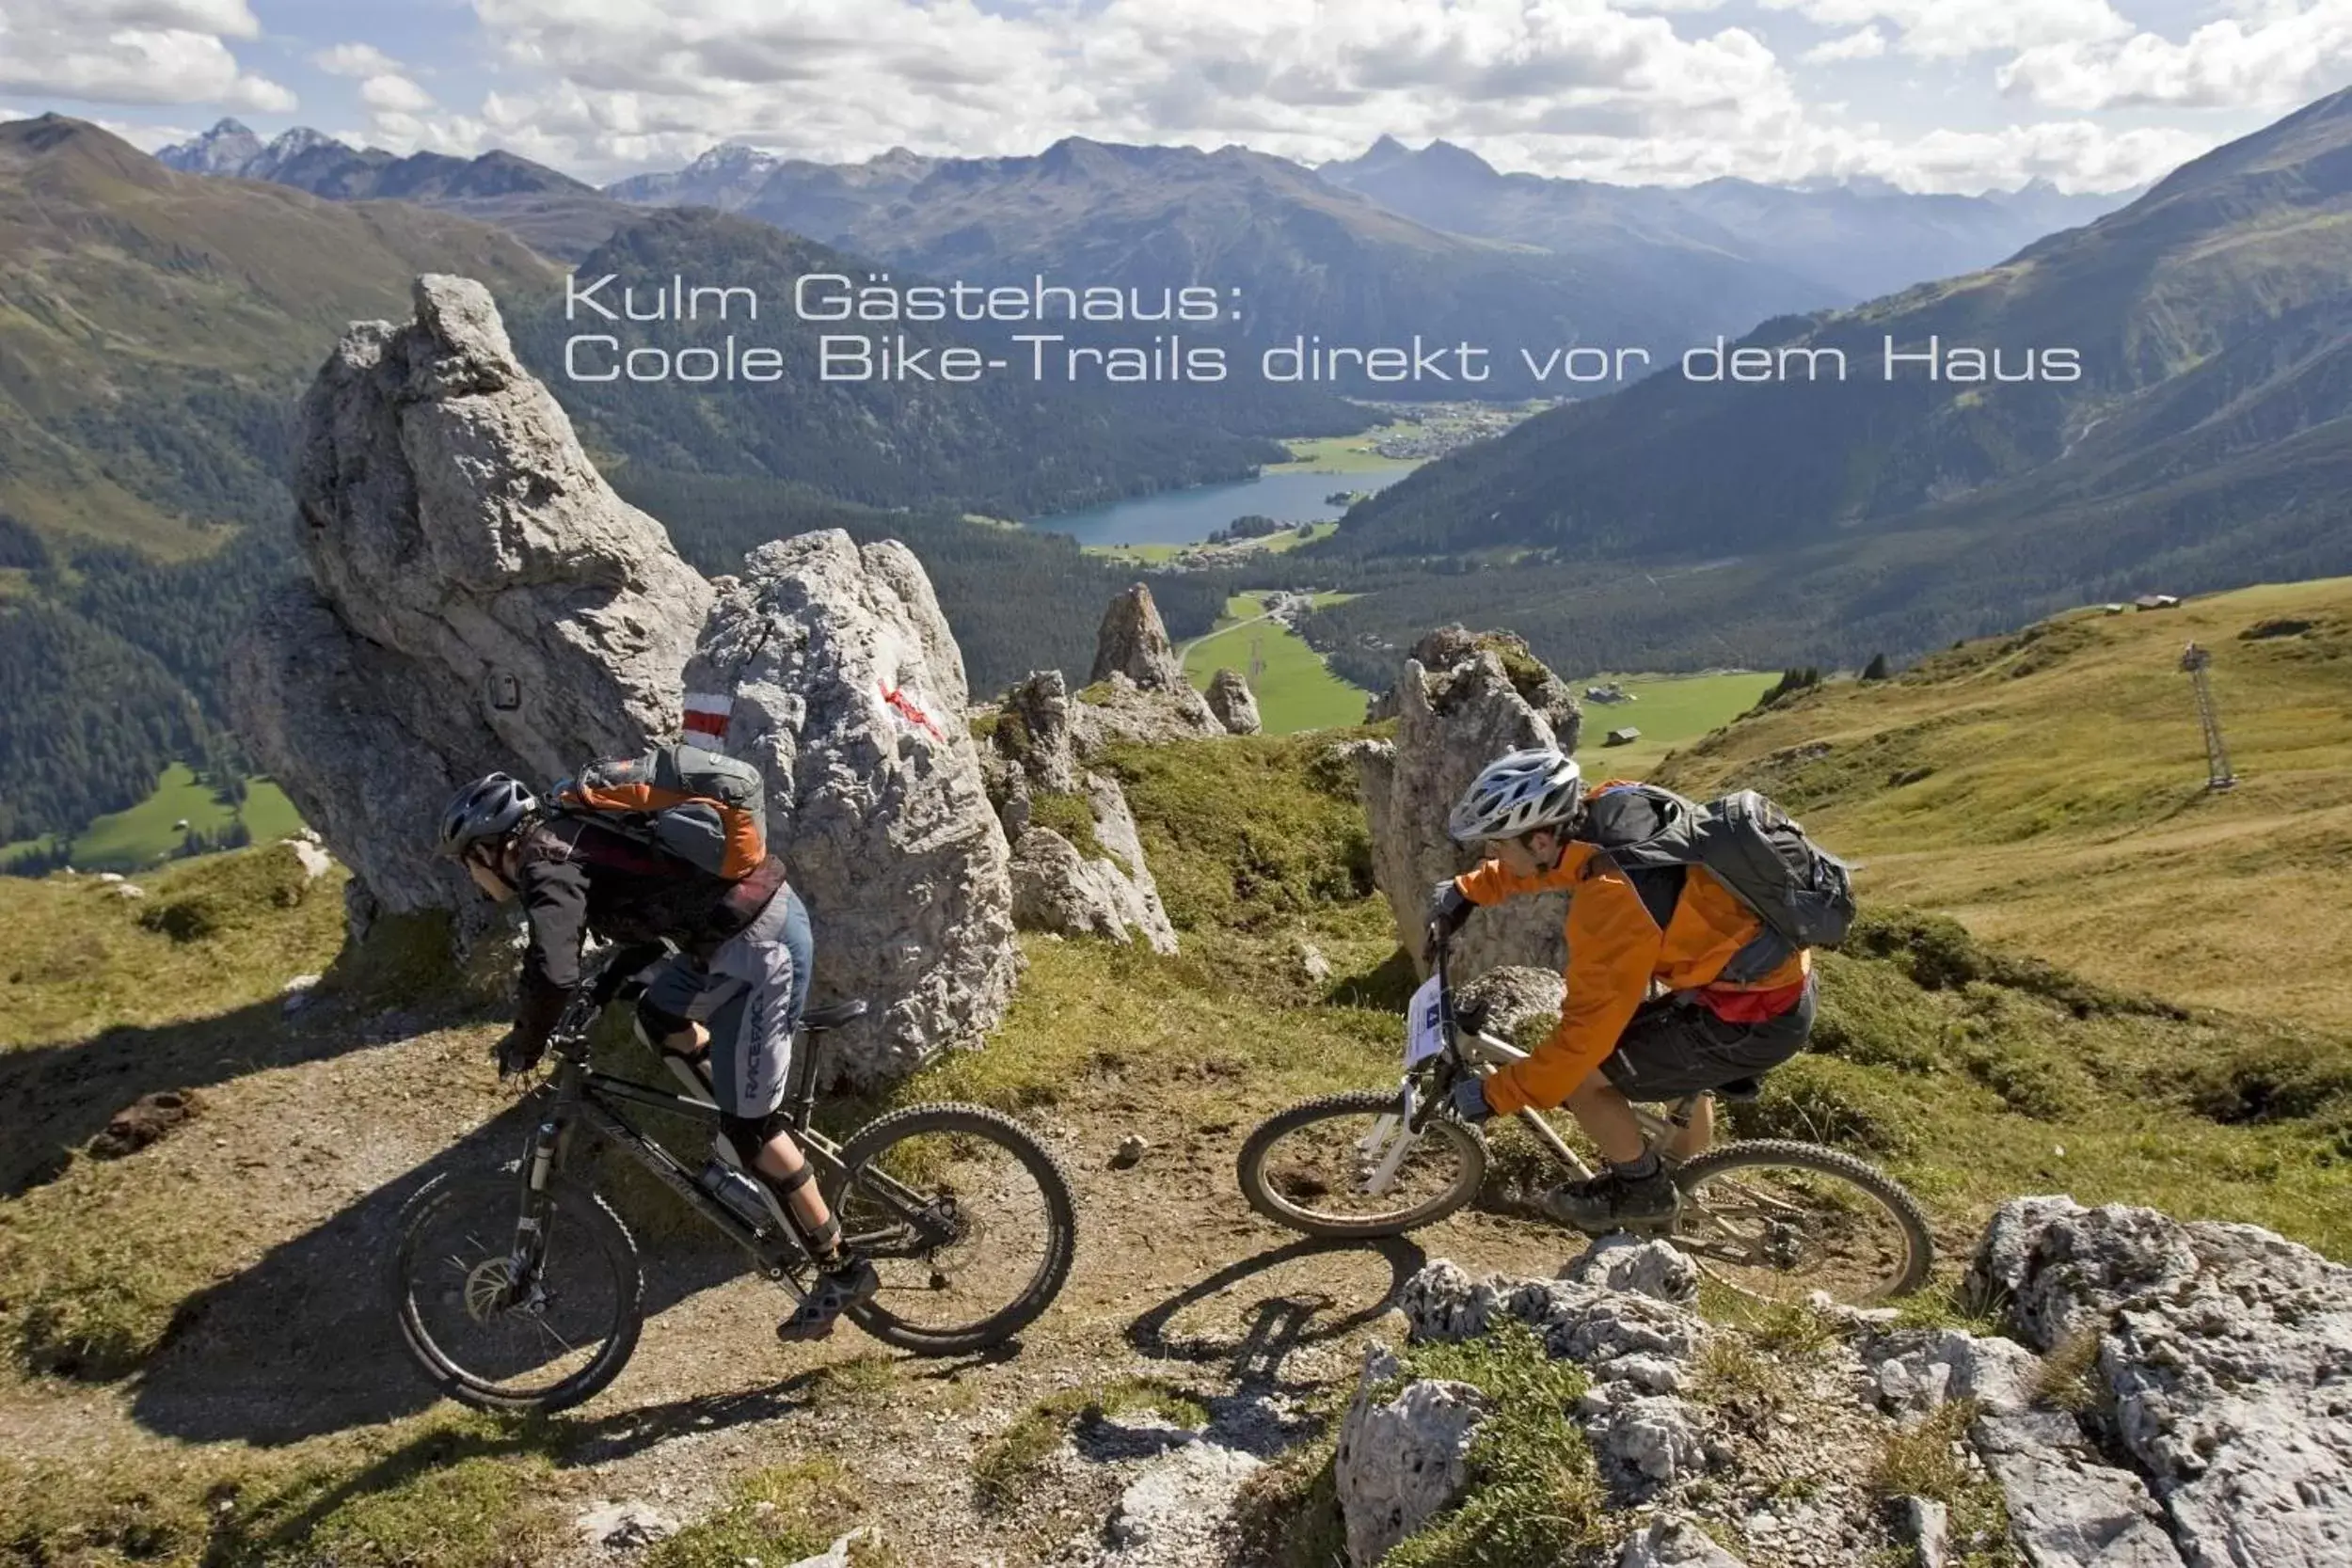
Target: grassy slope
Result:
[1297, 691]
[1973, 1074]
[144, 833]
[1671, 710]
[2055, 795]
[126, 288]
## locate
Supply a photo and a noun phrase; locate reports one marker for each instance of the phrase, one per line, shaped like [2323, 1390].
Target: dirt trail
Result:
[1174, 1279]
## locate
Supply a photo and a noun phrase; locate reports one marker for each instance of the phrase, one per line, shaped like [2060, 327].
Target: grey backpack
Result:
[1802, 894]
[707, 809]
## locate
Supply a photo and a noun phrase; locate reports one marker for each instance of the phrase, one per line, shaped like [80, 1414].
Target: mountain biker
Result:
[723, 1007]
[1647, 1014]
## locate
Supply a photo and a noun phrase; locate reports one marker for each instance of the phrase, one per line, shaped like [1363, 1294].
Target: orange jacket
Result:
[1615, 951]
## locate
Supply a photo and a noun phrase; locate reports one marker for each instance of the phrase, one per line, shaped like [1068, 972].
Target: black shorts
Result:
[1672, 1049]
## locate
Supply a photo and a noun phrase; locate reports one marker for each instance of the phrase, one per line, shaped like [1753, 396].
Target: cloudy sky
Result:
[1931, 94]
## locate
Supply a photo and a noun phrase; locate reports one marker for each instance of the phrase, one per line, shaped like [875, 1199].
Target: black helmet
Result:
[488, 808]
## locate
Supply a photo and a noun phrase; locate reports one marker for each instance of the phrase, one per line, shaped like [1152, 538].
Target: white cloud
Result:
[2278, 56]
[134, 51]
[355, 59]
[1941, 29]
[1866, 44]
[1556, 87]
[393, 93]
[636, 81]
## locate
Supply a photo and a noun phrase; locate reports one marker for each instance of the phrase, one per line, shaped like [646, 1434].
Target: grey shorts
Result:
[750, 996]
[1673, 1049]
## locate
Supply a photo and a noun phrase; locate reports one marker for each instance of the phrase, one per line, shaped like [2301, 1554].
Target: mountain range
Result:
[1370, 252]
[1848, 242]
[2202, 439]
[157, 328]
[554, 213]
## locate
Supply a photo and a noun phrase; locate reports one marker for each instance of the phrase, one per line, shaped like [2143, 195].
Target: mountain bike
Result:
[1773, 1219]
[523, 1291]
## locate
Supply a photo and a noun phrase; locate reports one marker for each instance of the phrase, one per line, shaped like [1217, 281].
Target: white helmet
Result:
[1540, 787]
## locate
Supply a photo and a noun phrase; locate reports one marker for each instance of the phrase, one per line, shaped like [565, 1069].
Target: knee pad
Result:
[655, 1025]
[748, 1135]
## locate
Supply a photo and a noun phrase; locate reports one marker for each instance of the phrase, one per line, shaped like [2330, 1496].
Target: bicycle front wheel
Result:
[966, 1218]
[1345, 1166]
[1777, 1220]
[504, 1316]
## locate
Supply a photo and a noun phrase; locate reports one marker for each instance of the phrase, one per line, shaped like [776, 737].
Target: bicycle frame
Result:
[1475, 1051]
[582, 1094]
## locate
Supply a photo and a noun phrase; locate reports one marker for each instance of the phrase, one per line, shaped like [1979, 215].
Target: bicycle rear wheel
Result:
[1343, 1167]
[502, 1319]
[1777, 1221]
[967, 1219]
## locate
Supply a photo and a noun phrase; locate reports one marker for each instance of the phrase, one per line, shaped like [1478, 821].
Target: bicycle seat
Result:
[817, 1019]
[1741, 1090]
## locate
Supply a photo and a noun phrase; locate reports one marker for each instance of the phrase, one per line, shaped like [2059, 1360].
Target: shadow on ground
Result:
[303, 1342]
[1259, 1333]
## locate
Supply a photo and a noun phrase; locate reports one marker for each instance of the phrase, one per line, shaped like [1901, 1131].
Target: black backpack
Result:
[1802, 894]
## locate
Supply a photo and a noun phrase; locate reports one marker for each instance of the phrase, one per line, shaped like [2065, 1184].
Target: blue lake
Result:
[1188, 516]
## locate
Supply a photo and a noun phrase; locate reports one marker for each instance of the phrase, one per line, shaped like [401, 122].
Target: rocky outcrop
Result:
[1402, 1457]
[1033, 734]
[1137, 690]
[1652, 1269]
[2223, 1366]
[1451, 647]
[1232, 702]
[2179, 1395]
[1638, 1350]
[1452, 720]
[847, 692]
[1675, 1543]
[1503, 999]
[1177, 1512]
[1116, 708]
[1133, 641]
[1077, 858]
[478, 598]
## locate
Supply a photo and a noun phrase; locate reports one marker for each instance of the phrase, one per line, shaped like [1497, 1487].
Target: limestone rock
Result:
[1033, 735]
[315, 862]
[1582, 1323]
[1917, 1370]
[1546, 694]
[1452, 720]
[1232, 702]
[2225, 1350]
[478, 598]
[846, 686]
[1100, 887]
[1672, 1542]
[1636, 1347]
[625, 1526]
[836, 1555]
[1173, 1513]
[1620, 1262]
[1503, 998]
[1116, 708]
[1402, 1459]
[1133, 641]
[1926, 1525]
[1655, 1437]
[2066, 1507]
